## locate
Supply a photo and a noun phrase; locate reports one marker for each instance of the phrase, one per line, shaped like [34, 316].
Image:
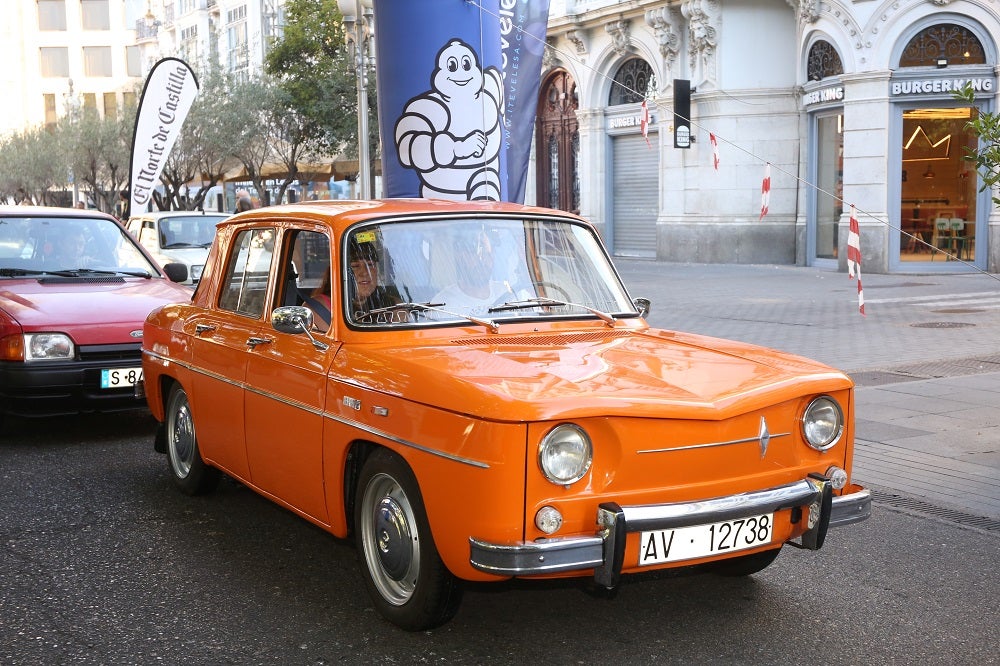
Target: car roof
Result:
[163, 214]
[52, 211]
[340, 213]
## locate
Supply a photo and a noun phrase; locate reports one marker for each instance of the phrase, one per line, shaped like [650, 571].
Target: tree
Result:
[312, 66]
[98, 153]
[986, 126]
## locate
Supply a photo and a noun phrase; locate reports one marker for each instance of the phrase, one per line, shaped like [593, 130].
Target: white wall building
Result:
[845, 100]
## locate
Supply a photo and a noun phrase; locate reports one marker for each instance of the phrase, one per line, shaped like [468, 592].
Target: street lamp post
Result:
[358, 23]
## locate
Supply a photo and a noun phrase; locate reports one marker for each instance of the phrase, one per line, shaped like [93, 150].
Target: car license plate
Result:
[686, 543]
[120, 377]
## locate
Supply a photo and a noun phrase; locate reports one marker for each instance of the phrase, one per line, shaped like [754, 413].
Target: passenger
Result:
[367, 293]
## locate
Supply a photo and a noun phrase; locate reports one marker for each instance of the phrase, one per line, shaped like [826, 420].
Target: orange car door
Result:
[222, 340]
[285, 401]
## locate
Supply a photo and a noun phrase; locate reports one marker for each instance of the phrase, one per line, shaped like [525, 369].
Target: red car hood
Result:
[91, 312]
[651, 373]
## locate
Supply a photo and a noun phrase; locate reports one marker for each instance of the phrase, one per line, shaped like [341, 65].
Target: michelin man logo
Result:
[451, 135]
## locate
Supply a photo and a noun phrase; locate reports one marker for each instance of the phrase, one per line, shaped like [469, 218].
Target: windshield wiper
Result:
[75, 272]
[435, 307]
[537, 302]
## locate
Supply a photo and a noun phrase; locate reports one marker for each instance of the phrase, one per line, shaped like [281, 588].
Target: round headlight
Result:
[823, 423]
[565, 454]
[47, 346]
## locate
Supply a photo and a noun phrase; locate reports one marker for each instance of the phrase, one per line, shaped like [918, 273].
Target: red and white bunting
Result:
[765, 191]
[715, 151]
[644, 123]
[854, 256]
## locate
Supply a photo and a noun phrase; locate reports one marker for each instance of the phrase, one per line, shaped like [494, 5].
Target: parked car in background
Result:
[469, 390]
[178, 236]
[75, 289]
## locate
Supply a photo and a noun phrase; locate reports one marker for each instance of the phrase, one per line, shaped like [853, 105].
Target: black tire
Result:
[189, 471]
[403, 572]
[746, 565]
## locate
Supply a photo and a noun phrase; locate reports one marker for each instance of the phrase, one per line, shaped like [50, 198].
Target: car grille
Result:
[111, 353]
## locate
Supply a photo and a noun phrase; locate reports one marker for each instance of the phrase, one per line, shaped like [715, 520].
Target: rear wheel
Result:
[404, 574]
[745, 565]
[190, 472]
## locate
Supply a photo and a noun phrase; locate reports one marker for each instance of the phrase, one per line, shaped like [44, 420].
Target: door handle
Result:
[203, 328]
[253, 342]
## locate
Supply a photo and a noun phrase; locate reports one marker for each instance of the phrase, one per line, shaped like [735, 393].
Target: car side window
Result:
[245, 284]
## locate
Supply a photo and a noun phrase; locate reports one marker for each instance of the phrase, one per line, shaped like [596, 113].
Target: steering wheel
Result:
[546, 286]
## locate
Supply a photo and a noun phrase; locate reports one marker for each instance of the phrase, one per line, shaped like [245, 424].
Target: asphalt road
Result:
[103, 561]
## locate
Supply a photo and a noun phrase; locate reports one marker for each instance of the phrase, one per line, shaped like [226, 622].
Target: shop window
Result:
[946, 43]
[634, 81]
[939, 187]
[824, 61]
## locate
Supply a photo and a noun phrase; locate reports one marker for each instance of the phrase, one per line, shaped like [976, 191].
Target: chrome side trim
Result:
[708, 445]
[850, 509]
[319, 412]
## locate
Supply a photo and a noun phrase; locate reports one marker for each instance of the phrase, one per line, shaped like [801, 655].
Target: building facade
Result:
[59, 54]
[847, 103]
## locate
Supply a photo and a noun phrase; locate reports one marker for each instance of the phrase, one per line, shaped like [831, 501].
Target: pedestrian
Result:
[243, 201]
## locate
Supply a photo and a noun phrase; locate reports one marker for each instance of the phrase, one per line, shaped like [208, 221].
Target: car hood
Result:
[91, 311]
[182, 255]
[637, 373]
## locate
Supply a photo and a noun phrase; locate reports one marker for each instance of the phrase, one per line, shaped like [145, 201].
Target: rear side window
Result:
[247, 274]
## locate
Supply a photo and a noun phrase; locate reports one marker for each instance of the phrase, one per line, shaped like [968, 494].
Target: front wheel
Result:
[190, 472]
[403, 572]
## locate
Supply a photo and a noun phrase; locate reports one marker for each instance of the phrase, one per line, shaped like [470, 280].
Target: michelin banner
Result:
[457, 89]
[167, 97]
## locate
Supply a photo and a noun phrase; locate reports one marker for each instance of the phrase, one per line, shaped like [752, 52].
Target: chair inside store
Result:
[944, 238]
[961, 240]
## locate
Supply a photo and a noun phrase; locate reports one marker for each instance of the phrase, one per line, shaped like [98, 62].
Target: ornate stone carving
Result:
[578, 38]
[703, 19]
[808, 10]
[662, 21]
[620, 37]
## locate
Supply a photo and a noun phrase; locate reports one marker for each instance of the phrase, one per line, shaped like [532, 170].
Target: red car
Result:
[75, 289]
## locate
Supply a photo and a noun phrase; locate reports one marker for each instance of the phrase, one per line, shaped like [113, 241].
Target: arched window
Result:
[823, 61]
[945, 41]
[634, 81]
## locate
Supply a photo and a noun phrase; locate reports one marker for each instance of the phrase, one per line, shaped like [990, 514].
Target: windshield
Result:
[30, 245]
[478, 269]
[188, 231]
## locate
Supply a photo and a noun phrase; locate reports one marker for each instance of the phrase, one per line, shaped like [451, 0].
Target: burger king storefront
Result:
[918, 197]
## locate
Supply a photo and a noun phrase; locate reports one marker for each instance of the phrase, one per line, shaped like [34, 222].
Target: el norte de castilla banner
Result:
[167, 97]
[458, 89]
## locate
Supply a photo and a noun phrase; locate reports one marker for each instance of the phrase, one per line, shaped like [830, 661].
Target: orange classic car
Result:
[470, 392]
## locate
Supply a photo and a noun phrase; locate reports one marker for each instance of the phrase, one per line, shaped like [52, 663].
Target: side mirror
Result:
[292, 319]
[643, 305]
[296, 319]
[176, 272]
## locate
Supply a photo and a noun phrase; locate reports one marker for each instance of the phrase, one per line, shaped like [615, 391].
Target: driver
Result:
[474, 291]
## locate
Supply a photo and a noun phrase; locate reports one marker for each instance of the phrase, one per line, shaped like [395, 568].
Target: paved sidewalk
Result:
[926, 360]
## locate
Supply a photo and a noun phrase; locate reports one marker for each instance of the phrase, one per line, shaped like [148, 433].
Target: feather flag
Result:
[644, 123]
[715, 150]
[854, 256]
[765, 191]
[167, 96]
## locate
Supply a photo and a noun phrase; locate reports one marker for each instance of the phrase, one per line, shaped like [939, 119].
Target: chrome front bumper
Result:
[605, 551]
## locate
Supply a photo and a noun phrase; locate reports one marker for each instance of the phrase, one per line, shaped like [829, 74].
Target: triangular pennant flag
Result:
[715, 151]
[765, 191]
[854, 256]
[644, 123]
